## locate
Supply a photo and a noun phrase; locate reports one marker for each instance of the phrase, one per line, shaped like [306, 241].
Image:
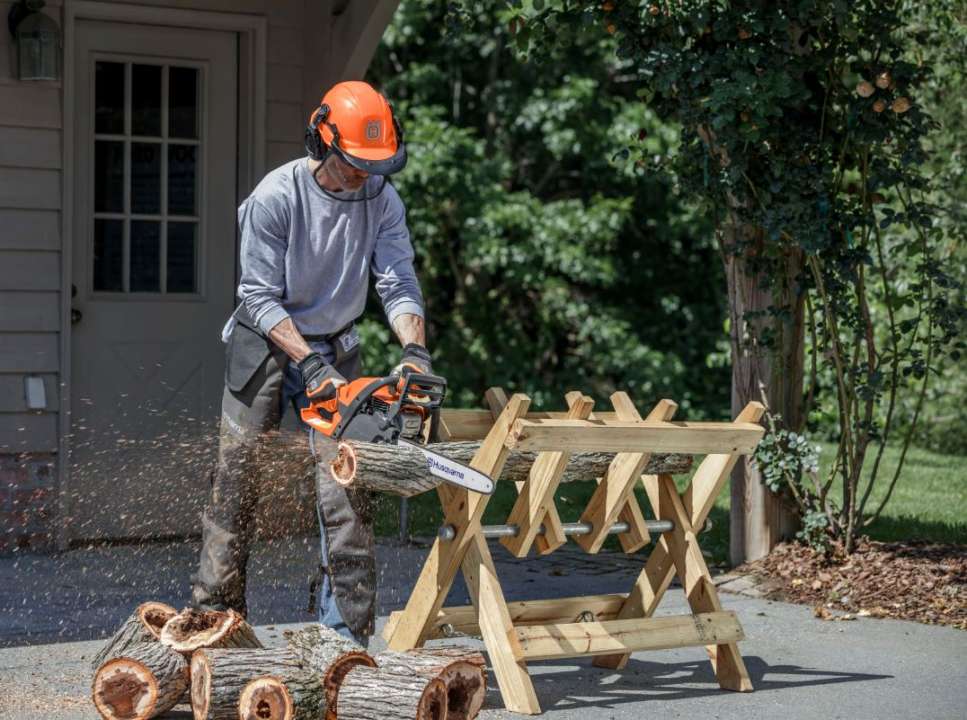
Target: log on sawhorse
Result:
[606, 627]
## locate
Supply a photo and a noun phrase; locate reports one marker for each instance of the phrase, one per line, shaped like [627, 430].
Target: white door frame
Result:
[252, 31]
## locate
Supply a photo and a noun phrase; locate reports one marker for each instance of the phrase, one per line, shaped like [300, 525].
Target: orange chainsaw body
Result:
[377, 409]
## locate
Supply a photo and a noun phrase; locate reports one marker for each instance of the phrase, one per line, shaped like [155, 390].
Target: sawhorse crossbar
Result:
[614, 626]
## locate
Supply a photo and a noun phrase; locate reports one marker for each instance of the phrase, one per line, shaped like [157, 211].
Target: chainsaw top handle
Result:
[421, 389]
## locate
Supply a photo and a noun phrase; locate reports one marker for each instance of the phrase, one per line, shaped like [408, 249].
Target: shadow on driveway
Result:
[560, 686]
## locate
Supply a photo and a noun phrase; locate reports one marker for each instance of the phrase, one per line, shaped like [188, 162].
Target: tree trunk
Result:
[147, 680]
[332, 656]
[403, 471]
[192, 629]
[143, 626]
[759, 518]
[368, 693]
[460, 669]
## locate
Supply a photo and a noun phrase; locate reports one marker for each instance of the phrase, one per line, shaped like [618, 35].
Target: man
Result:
[312, 231]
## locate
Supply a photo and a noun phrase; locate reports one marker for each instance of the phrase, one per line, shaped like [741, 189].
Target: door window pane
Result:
[147, 182]
[109, 97]
[181, 179]
[145, 178]
[182, 263]
[109, 255]
[108, 176]
[145, 256]
[182, 102]
[146, 100]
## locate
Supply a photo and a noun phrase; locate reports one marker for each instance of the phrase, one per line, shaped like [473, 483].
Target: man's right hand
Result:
[321, 379]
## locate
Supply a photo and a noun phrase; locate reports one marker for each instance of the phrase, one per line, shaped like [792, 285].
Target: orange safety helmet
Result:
[357, 123]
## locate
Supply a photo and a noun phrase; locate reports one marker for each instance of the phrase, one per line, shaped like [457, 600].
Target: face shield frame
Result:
[387, 166]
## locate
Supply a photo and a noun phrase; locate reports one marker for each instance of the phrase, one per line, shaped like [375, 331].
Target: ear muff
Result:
[315, 146]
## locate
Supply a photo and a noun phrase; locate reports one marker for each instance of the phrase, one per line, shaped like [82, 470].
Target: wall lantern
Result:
[38, 41]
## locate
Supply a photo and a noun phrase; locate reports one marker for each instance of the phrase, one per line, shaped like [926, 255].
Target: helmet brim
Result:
[375, 165]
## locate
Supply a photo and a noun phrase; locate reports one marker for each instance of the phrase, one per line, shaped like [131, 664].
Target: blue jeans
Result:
[294, 396]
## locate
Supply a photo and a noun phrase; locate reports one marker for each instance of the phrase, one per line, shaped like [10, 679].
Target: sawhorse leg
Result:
[679, 552]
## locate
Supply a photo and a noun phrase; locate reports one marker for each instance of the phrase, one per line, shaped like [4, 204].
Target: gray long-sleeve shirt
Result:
[308, 256]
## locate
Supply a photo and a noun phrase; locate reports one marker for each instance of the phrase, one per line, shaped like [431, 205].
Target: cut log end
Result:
[265, 698]
[192, 629]
[332, 680]
[154, 615]
[201, 685]
[466, 690]
[433, 704]
[125, 690]
[343, 466]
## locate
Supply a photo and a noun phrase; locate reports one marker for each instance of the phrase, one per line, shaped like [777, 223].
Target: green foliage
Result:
[548, 261]
[944, 22]
[790, 466]
[805, 135]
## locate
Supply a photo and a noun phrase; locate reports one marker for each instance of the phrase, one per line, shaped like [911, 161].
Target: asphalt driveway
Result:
[55, 609]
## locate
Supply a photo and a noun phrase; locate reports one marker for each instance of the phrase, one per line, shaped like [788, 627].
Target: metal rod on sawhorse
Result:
[447, 532]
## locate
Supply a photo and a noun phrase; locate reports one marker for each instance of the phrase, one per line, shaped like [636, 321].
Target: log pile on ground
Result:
[159, 658]
[143, 670]
[399, 470]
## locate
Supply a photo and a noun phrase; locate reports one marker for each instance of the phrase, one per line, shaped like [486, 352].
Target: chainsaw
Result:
[393, 410]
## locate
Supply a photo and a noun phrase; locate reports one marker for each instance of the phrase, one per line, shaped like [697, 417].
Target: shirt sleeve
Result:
[263, 248]
[392, 263]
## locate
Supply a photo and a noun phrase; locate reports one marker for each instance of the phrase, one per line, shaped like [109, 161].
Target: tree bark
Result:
[369, 693]
[147, 680]
[460, 669]
[192, 629]
[332, 656]
[402, 471]
[758, 517]
[144, 625]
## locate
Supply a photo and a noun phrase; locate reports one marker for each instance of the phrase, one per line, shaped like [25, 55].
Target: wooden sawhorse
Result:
[613, 626]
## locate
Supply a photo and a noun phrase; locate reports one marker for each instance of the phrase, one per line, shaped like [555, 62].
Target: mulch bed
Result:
[921, 581]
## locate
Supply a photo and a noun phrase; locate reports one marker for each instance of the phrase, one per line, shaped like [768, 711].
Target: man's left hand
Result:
[416, 358]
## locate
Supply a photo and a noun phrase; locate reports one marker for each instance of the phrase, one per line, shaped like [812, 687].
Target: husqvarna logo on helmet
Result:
[373, 130]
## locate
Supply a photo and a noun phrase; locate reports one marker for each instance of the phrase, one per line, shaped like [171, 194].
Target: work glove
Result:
[416, 358]
[321, 379]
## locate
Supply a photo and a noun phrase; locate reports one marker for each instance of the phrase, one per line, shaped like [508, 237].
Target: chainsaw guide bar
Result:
[453, 472]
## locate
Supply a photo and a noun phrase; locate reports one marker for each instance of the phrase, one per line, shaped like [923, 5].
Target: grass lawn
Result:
[929, 502]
